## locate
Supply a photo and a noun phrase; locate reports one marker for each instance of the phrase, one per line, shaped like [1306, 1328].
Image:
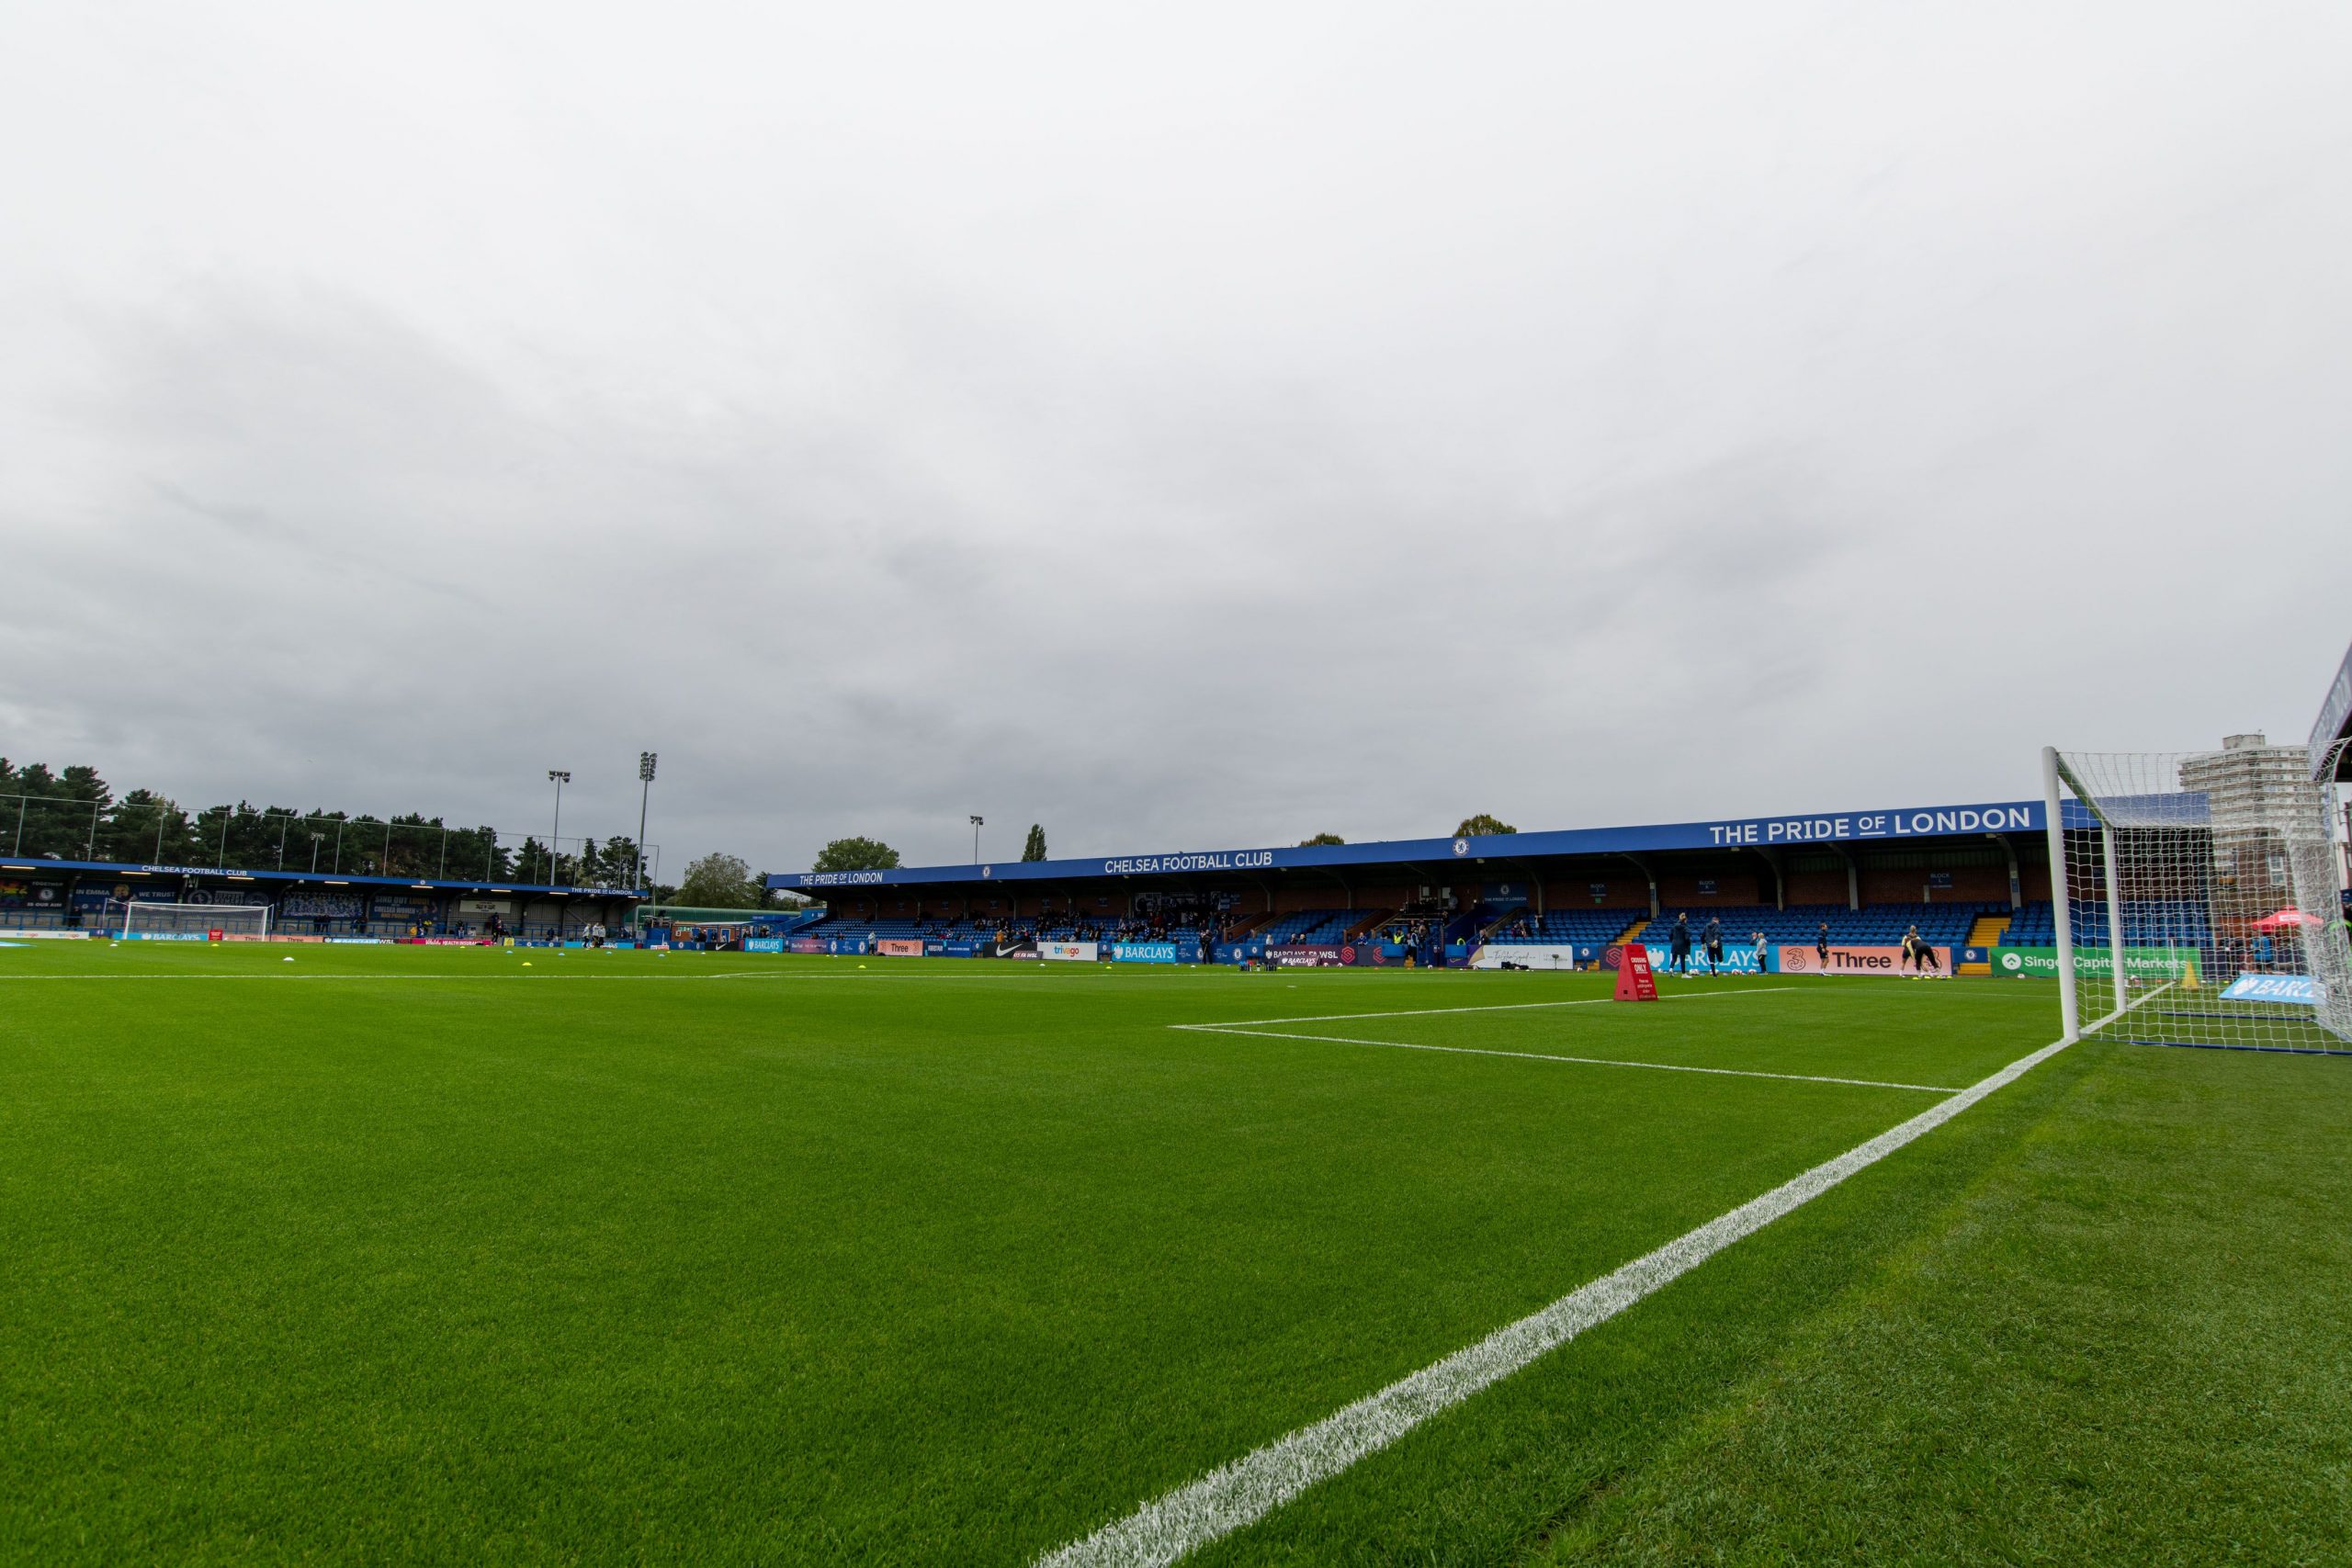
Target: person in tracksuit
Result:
[1918, 954]
[1680, 945]
[1714, 946]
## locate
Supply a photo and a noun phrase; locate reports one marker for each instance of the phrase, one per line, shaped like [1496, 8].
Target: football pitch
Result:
[482, 1255]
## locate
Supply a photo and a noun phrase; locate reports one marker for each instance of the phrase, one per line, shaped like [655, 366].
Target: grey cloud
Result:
[1204, 434]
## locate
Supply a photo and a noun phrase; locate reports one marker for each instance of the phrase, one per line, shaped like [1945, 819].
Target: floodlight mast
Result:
[645, 761]
[975, 840]
[561, 776]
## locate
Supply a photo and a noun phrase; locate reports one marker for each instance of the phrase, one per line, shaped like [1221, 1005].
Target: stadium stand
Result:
[2146, 923]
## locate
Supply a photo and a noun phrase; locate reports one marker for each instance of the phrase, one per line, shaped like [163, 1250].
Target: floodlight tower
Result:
[975, 840]
[645, 761]
[560, 777]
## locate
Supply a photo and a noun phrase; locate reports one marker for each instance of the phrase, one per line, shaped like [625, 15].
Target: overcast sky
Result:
[1189, 426]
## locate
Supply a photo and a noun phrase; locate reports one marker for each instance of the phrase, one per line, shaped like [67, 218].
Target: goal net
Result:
[139, 917]
[2196, 900]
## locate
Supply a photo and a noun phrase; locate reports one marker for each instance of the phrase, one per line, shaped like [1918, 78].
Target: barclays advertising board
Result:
[1145, 952]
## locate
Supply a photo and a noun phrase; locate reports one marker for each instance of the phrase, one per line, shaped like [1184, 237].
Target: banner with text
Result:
[2142, 963]
[1734, 961]
[1796, 959]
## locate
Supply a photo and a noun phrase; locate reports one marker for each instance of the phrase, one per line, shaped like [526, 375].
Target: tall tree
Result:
[1320, 838]
[531, 863]
[1035, 848]
[1486, 824]
[719, 882]
[143, 827]
[855, 854]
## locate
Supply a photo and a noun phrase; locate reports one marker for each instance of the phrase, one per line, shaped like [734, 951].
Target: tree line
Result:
[76, 814]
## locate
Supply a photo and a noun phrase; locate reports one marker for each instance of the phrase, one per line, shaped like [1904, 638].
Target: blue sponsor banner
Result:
[2273, 988]
[764, 944]
[618, 945]
[1143, 953]
[959, 950]
[1735, 960]
[166, 936]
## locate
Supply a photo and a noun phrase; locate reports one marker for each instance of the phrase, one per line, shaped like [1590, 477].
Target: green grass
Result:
[422, 1256]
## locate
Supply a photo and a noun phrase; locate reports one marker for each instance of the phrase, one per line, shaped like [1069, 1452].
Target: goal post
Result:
[2196, 898]
[2069, 1004]
[139, 917]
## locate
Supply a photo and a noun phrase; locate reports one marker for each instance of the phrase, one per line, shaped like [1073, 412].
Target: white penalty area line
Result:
[1248, 1489]
[1580, 1061]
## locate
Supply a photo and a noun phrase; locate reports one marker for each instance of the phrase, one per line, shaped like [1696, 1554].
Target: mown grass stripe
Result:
[1581, 1060]
[1236, 1494]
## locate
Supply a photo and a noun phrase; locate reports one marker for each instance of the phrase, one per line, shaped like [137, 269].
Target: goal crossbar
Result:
[140, 916]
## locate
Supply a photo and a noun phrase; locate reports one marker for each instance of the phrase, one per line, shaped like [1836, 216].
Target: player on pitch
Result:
[1715, 947]
[1918, 954]
[1680, 945]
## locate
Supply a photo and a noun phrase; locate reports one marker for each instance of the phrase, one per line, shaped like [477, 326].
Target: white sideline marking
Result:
[1253, 1486]
[1488, 1007]
[1583, 1061]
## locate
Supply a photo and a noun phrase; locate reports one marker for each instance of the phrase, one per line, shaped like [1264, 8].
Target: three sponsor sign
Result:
[1795, 958]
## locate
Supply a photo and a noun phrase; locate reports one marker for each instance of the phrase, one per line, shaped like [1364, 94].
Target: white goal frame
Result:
[195, 916]
[2155, 866]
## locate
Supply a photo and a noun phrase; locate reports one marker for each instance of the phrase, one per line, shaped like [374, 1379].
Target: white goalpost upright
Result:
[2199, 895]
[139, 917]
